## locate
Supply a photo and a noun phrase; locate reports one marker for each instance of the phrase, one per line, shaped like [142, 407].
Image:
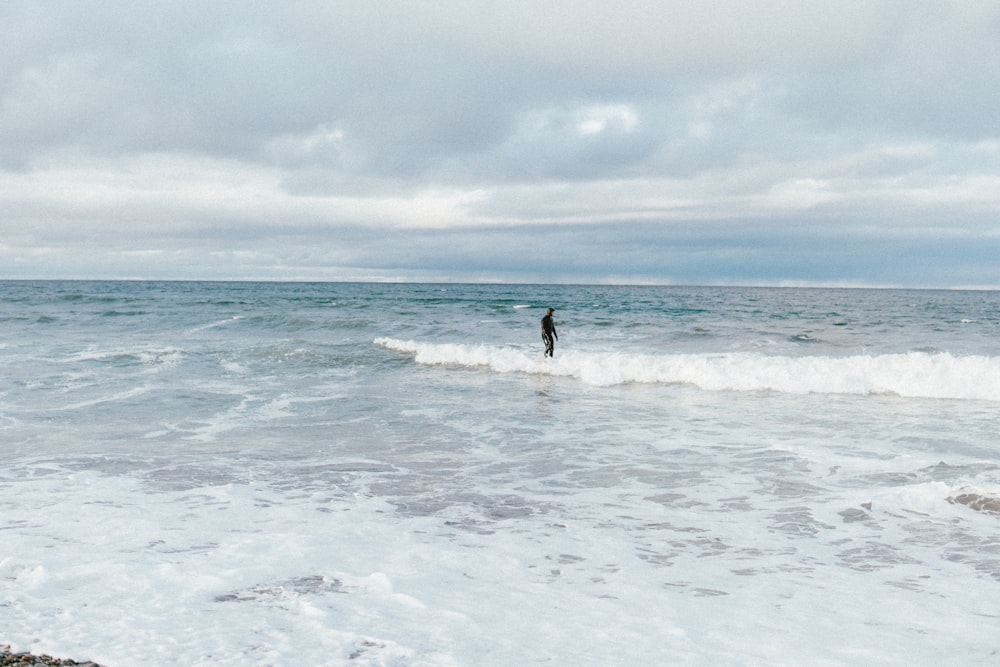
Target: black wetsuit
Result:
[548, 334]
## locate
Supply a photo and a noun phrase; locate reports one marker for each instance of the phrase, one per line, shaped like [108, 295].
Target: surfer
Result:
[549, 332]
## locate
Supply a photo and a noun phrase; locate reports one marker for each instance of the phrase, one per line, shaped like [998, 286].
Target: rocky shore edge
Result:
[8, 659]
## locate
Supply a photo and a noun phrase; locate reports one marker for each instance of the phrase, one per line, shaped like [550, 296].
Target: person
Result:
[549, 332]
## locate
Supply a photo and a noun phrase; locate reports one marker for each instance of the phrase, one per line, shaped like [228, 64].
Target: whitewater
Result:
[393, 474]
[915, 374]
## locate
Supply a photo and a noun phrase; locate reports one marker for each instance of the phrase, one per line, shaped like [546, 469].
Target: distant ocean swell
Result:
[913, 374]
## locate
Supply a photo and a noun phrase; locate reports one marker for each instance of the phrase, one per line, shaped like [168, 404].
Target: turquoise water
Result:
[284, 471]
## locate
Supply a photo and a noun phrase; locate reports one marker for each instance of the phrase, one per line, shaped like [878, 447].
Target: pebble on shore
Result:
[8, 659]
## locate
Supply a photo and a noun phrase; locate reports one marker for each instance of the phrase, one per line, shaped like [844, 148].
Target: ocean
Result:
[392, 474]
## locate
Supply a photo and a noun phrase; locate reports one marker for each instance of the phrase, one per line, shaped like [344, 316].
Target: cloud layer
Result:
[824, 142]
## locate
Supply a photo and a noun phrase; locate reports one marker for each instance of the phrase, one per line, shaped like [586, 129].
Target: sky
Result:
[780, 142]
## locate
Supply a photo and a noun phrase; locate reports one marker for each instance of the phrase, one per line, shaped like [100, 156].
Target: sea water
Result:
[393, 474]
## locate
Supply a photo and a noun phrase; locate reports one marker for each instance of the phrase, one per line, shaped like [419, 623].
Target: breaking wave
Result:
[912, 374]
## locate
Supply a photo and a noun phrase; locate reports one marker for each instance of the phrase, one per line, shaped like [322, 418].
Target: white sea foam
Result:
[98, 400]
[322, 577]
[123, 355]
[219, 323]
[913, 374]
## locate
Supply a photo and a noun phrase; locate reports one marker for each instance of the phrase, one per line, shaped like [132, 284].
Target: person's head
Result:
[551, 310]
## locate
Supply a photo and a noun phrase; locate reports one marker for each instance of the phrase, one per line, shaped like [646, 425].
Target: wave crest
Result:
[911, 374]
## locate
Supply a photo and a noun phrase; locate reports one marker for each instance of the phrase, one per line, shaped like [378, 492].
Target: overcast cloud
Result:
[778, 142]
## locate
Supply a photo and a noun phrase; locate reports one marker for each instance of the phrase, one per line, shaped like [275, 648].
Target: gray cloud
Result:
[666, 141]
